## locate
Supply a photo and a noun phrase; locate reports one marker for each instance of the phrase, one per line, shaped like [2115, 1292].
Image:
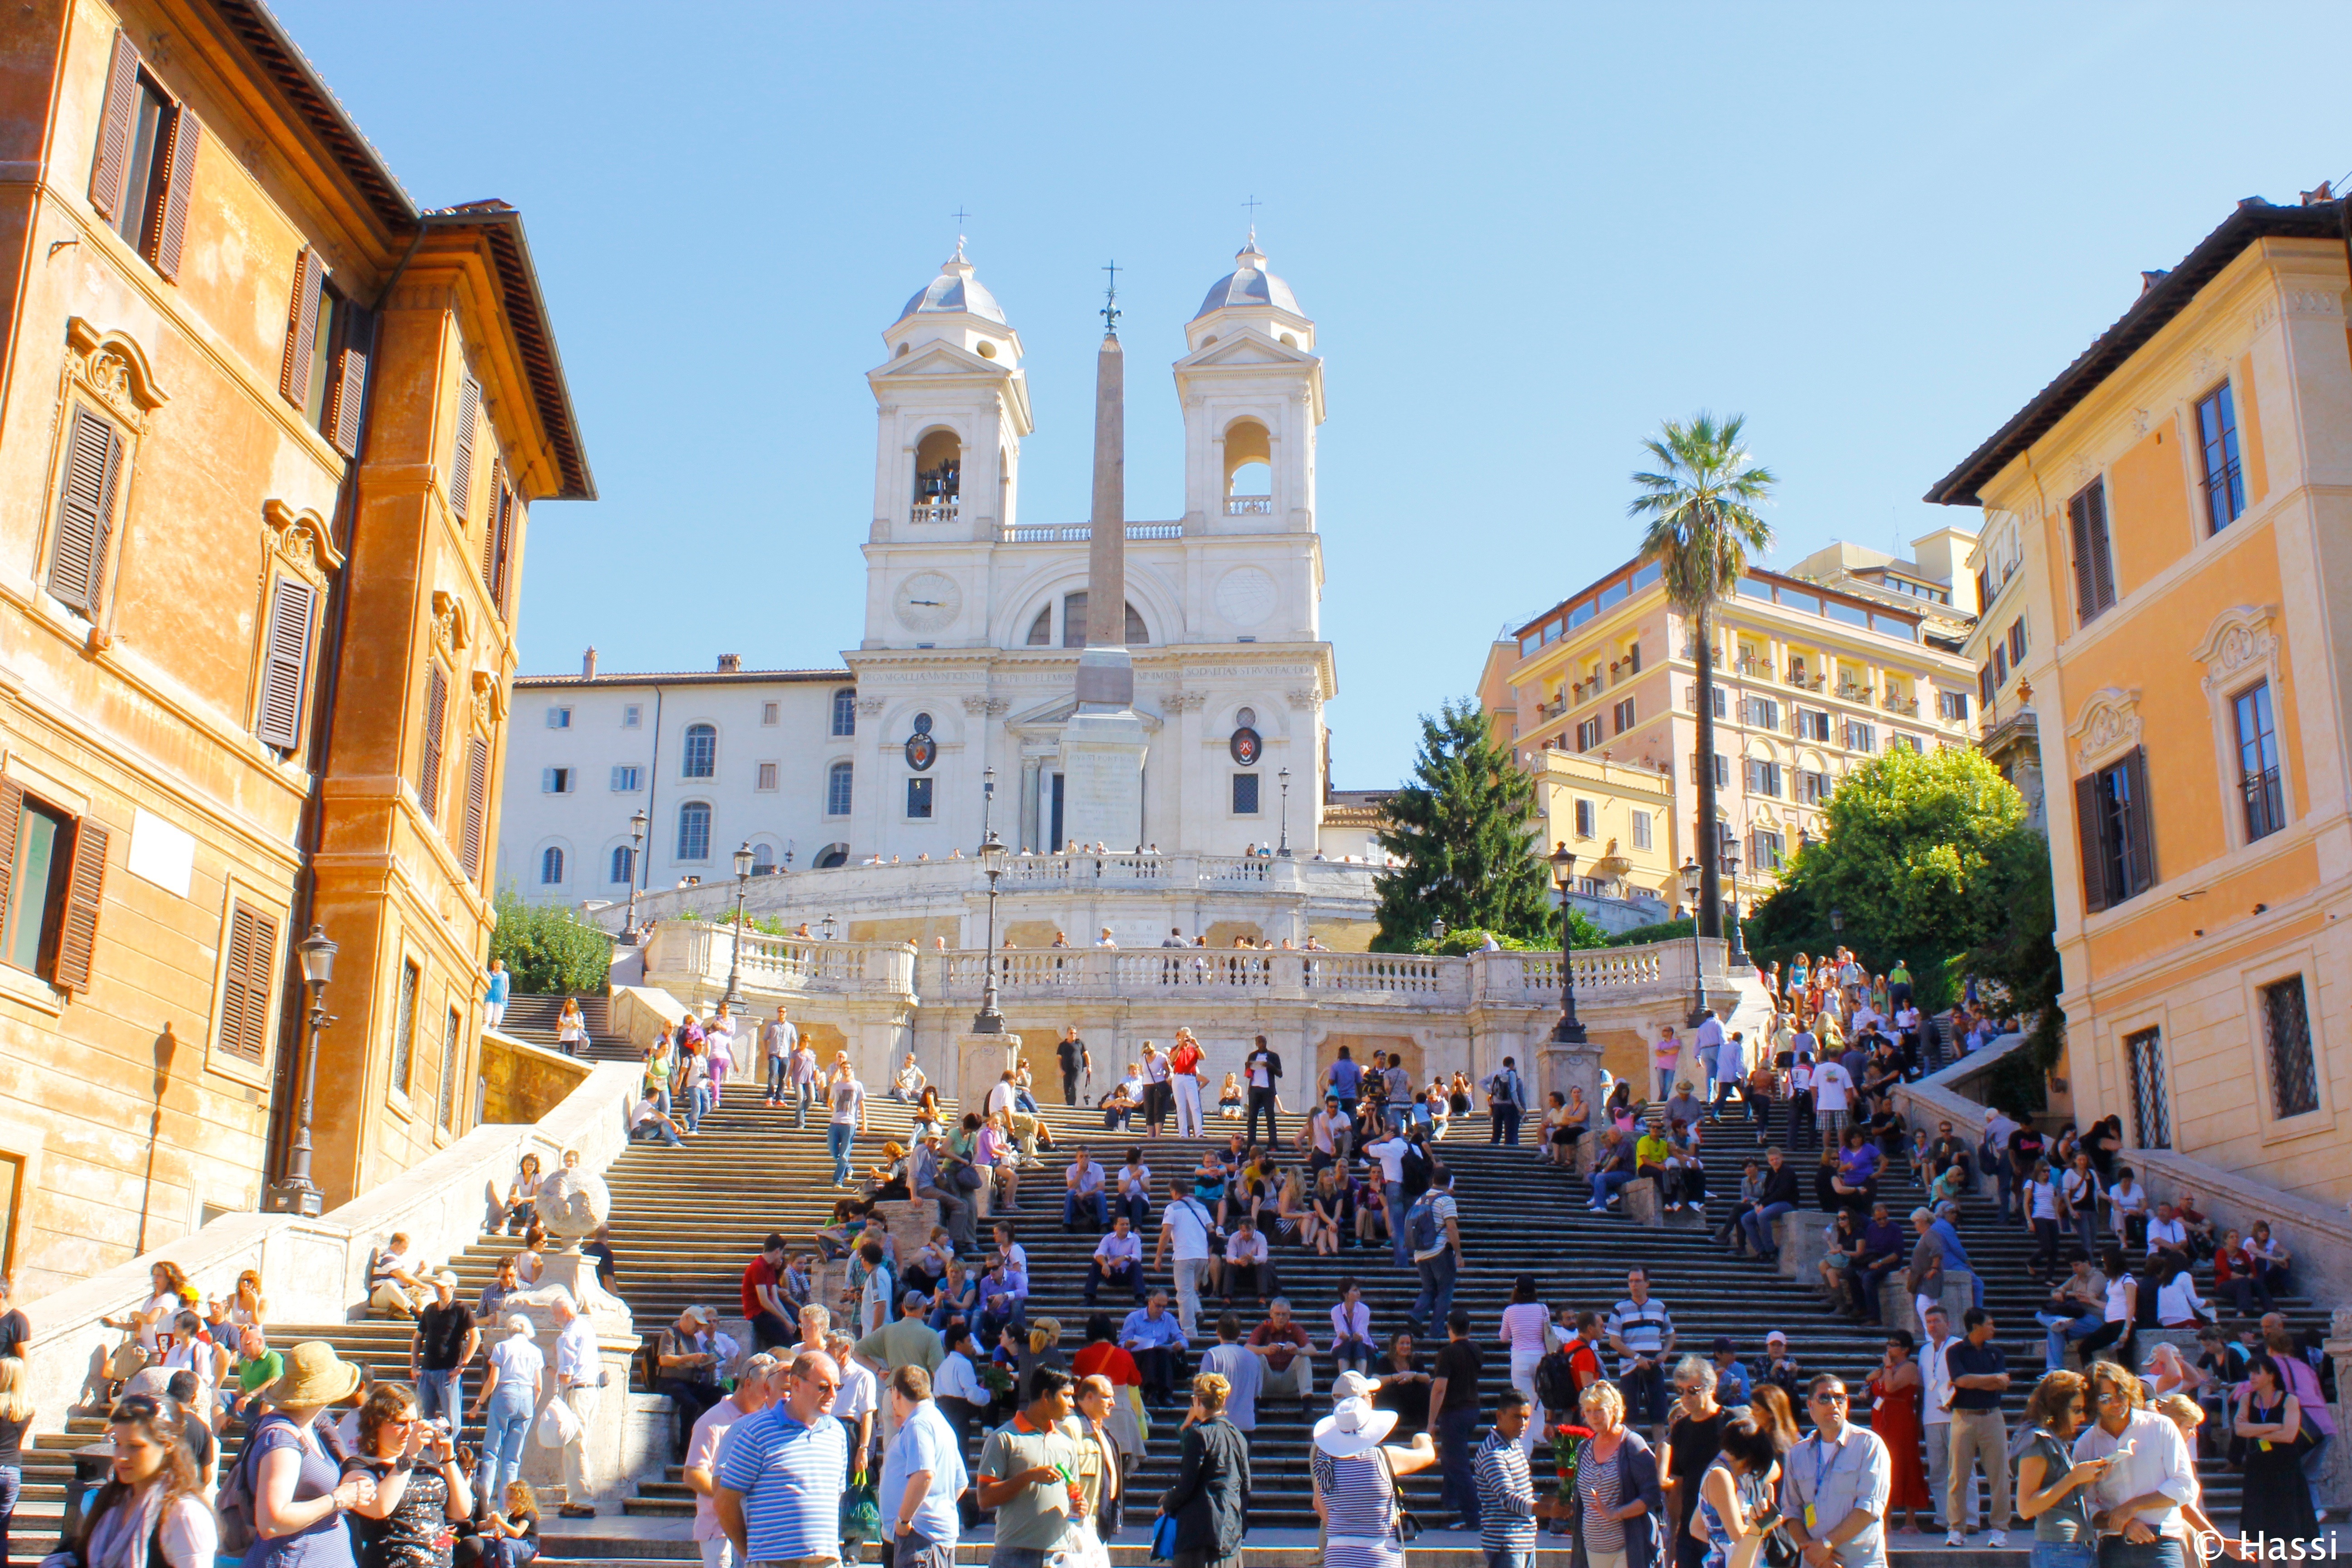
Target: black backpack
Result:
[1556, 1381]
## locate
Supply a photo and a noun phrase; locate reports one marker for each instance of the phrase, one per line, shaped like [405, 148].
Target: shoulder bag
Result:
[1407, 1525]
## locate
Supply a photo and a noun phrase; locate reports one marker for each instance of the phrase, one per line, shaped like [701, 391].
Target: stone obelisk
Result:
[1103, 742]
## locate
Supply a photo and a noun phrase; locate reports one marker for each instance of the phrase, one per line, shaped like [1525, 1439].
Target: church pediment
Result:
[1053, 715]
[1246, 347]
[937, 359]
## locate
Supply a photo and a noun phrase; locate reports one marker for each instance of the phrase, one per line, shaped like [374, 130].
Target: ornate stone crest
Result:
[2109, 722]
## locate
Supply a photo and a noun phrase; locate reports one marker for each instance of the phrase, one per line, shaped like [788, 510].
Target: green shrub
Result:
[548, 949]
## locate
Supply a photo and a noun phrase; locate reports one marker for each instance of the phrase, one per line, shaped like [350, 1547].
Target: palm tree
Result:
[1701, 526]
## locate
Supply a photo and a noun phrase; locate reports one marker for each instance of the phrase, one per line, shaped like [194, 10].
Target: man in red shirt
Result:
[763, 1300]
[1284, 1344]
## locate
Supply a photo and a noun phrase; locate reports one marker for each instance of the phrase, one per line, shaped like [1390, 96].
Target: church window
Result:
[837, 781]
[701, 753]
[919, 799]
[939, 467]
[844, 711]
[766, 778]
[1245, 719]
[1134, 633]
[1249, 473]
[624, 864]
[763, 858]
[1245, 794]
[1073, 620]
[694, 830]
[1041, 630]
[551, 865]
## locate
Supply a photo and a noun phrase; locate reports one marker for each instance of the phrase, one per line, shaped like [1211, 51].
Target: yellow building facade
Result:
[268, 436]
[2176, 513]
[1850, 653]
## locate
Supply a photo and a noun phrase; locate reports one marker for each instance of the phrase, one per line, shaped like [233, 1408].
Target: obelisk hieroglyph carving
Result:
[1103, 743]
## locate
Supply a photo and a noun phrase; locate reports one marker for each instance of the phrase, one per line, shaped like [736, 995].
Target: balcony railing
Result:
[1249, 506]
[1078, 532]
[1909, 705]
[933, 511]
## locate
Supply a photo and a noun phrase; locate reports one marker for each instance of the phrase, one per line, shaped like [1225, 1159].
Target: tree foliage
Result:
[548, 949]
[1928, 857]
[1460, 828]
[1701, 524]
[1458, 940]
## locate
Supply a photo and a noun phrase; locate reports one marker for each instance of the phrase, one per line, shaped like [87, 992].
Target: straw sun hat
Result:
[314, 1375]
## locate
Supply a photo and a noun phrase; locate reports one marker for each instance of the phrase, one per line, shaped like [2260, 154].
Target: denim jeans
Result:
[1606, 1183]
[698, 1106]
[2164, 1552]
[1498, 1559]
[505, 1426]
[1136, 1207]
[2057, 1330]
[2064, 1554]
[442, 1394]
[1505, 1127]
[838, 1136]
[1403, 1249]
[803, 1096]
[1093, 1200]
[11, 1486]
[1457, 1434]
[1756, 1224]
[775, 1078]
[1436, 1297]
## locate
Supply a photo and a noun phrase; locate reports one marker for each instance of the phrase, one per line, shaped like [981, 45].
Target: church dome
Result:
[956, 289]
[1249, 284]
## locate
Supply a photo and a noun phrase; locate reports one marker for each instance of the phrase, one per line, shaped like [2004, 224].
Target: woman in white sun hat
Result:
[1356, 1477]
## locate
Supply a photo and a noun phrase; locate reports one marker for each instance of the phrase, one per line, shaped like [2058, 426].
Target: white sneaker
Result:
[1954, 1538]
[1997, 1540]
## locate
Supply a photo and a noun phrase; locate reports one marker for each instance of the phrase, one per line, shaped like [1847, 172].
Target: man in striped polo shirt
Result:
[1507, 1498]
[780, 1474]
[1642, 1331]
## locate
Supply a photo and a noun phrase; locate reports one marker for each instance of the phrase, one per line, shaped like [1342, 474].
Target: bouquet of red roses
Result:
[1564, 1440]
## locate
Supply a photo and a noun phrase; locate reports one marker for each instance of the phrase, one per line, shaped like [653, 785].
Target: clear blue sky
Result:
[1527, 235]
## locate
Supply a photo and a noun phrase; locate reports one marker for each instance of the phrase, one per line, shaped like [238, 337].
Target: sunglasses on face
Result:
[1833, 1398]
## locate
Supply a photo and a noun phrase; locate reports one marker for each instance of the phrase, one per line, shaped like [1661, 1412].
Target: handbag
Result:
[1407, 1525]
[861, 1514]
[1164, 1539]
[966, 1178]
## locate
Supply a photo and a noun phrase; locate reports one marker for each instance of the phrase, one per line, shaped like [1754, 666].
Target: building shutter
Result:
[301, 327]
[2142, 843]
[2089, 828]
[85, 886]
[112, 166]
[478, 806]
[2102, 565]
[180, 179]
[245, 997]
[347, 389]
[490, 529]
[85, 512]
[2086, 591]
[436, 715]
[461, 472]
[506, 505]
[284, 663]
[12, 817]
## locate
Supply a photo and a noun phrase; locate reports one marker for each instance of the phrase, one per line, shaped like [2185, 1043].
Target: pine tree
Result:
[1461, 829]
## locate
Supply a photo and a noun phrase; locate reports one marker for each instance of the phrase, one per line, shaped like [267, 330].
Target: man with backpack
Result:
[1507, 1097]
[1433, 1228]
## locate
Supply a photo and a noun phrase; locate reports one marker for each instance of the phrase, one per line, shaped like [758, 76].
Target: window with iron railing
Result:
[2151, 1106]
[2286, 1034]
[2258, 762]
[2217, 436]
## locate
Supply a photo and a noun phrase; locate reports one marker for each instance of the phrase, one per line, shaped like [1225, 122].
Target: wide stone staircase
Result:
[685, 1221]
[533, 1019]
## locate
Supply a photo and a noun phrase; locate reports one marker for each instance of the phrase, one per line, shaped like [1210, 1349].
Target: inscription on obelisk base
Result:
[1102, 779]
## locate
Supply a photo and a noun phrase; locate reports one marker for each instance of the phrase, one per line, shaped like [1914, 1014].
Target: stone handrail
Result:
[315, 1270]
[705, 949]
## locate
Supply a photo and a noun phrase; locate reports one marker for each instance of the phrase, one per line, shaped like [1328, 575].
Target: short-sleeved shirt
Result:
[258, 1372]
[1643, 1325]
[758, 1272]
[407, 1537]
[1345, 1078]
[702, 1453]
[1830, 1083]
[1823, 1482]
[925, 1442]
[791, 1477]
[1441, 1208]
[1035, 1517]
[1963, 1359]
[441, 1335]
[1668, 1052]
[909, 1341]
[324, 1544]
[1458, 1363]
[848, 1096]
[1187, 1224]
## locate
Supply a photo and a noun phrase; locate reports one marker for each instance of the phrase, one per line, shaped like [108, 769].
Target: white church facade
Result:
[974, 622]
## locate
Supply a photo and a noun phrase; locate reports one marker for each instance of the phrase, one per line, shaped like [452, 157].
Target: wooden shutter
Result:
[245, 996]
[478, 806]
[301, 327]
[2103, 564]
[348, 385]
[85, 512]
[506, 504]
[286, 663]
[490, 529]
[172, 201]
[85, 886]
[2090, 831]
[436, 715]
[461, 470]
[111, 168]
[11, 818]
[2142, 842]
[2086, 593]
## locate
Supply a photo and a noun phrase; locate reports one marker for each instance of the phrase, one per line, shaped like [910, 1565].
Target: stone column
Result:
[982, 1062]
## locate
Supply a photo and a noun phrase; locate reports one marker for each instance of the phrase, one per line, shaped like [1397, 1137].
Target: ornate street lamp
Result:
[1691, 876]
[735, 958]
[988, 1020]
[1731, 869]
[828, 928]
[296, 1194]
[1284, 852]
[1437, 929]
[1569, 1031]
[638, 826]
[1837, 921]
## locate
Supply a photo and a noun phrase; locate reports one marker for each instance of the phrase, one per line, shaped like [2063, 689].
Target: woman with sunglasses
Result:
[1694, 1439]
[419, 1488]
[151, 1511]
[2052, 1489]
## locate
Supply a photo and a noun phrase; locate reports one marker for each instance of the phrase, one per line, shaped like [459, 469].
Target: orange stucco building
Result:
[268, 436]
[2173, 517]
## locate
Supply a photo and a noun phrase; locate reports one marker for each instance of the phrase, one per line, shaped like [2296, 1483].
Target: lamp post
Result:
[735, 957]
[1569, 1031]
[1731, 873]
[1691, 880]
[1437, 929]
[638, 826]
[988, 1020]
[1284, 852]
[1837, 922]
[828, 928]
[296, 1194]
